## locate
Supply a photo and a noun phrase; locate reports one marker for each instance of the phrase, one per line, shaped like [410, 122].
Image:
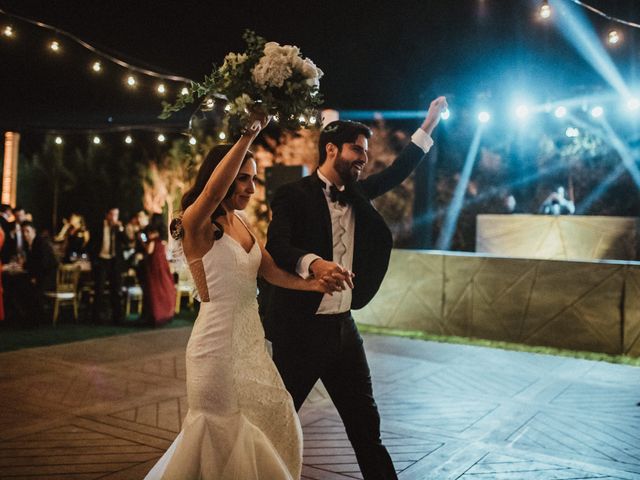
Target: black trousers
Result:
[330, 348]
[111, 270]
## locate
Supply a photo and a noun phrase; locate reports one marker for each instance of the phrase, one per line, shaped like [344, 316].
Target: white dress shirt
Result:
[343, 230]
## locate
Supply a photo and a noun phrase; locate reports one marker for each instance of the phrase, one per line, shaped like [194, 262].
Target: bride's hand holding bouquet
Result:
[267, 77]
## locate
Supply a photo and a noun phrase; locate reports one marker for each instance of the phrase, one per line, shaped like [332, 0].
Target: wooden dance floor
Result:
[108, 408]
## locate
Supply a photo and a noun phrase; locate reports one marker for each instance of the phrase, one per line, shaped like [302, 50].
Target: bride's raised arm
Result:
[199, 212]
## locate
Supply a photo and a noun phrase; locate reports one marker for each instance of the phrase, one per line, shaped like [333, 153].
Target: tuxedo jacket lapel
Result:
[320, 206]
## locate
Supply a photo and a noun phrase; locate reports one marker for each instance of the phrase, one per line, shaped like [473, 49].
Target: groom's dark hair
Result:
[338, 133]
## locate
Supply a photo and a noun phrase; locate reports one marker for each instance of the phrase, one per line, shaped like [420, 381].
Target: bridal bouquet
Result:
[272, 78]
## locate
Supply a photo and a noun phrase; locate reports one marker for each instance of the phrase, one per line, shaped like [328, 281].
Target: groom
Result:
[324, 225]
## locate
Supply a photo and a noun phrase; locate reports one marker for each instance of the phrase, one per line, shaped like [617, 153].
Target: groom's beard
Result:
[345, 169]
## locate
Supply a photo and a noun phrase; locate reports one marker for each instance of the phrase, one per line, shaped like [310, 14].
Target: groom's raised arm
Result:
[280, 233]
[421, 141]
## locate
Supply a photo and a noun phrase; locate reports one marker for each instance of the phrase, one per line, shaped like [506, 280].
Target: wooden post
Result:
[10, 169]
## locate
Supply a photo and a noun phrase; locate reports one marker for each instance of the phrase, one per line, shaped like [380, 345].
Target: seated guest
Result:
[108, 244]
[7, 223]
[40, 261]
[75, 236]
[41, 266]
[159, 291]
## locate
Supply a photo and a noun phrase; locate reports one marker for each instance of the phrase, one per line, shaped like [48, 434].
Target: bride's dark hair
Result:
[210, 162]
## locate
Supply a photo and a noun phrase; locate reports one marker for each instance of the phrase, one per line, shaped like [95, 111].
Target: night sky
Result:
[375, 55]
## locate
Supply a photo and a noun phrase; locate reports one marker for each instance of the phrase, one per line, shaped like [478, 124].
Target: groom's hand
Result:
[436, 108]
[332, 273]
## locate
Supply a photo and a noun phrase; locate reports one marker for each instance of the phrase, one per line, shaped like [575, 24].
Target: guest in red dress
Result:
[159, 290]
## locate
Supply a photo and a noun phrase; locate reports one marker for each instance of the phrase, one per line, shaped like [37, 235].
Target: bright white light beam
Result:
[574, 25]
[453, 212]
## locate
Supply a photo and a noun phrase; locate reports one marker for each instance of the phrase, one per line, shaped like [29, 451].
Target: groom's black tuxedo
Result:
[301, 224]
[309, 346]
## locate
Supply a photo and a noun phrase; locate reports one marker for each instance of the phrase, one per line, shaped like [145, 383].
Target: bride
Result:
[241, 423]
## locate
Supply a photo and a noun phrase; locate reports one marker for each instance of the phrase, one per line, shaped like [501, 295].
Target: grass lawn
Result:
[14, 338]
[416, 334]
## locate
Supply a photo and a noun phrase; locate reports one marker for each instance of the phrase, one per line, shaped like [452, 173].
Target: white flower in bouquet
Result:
[270, 77]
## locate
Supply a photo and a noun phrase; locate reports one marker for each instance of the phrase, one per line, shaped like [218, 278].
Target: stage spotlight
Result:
[560, 112]
[597, 111]
[522, 112]
[633, 103]
[445, 114]
[545, 10]
[613, 37]
[572, 132]
[484, 117]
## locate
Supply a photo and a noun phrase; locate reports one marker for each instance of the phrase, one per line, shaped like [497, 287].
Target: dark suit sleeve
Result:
[392, 176]
[282, 228]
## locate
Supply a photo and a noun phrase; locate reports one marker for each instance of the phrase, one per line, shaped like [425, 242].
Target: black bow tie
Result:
[339, 196]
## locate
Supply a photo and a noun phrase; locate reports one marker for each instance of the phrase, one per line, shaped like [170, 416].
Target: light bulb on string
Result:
[131, 81]
[7, 31]
[161, 89]
[58, 140]
[97, 140]
[128, 139]
[560, 112]
[54, 46]
[545, 10]
[312, 120]
[96, 66]
[613, 37]
[193, 141]
[161, 138]
[184, 91]
[222, 135]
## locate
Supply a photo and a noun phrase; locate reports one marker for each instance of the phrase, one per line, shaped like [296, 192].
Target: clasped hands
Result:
[331, 276]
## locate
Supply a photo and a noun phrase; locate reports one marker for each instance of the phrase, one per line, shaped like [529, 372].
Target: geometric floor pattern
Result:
[108, 408]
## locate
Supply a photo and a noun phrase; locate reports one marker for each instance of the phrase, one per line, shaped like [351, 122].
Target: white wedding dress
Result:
[241, 423]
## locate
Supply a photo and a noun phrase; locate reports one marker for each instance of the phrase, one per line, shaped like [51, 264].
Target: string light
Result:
[184, 91]
[545, 10]
[161, 138]
[58, 140]
[55, 46]
[312, 120]
[131, 81]
[7, 31]
[560, 112]
[128, 140]
[161, 89]
[613, 37]
[222, 136]
[192, 141]
[96, 140]
[96, 67]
